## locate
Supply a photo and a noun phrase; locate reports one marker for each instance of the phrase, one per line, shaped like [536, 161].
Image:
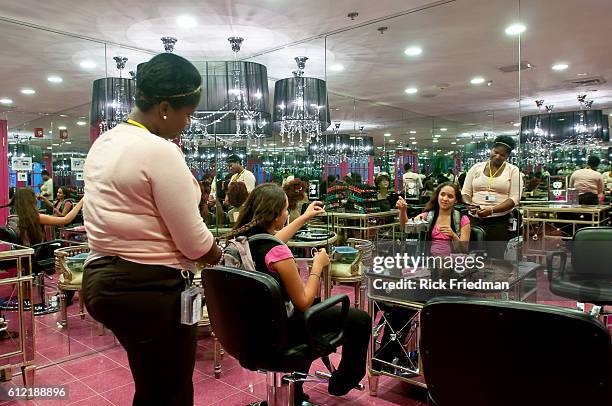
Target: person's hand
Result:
[314, 209]
[40, 197]
[401, 204]
[321, 259]
[486, 212]
[80, 203]
[447, 230]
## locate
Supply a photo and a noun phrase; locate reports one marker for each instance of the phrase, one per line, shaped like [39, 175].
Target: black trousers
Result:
[140, 304]
[354, 347]
[497, 229]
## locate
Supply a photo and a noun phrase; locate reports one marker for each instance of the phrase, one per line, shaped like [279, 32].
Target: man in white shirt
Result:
[47, 187]
[412, 183]
[239, 174]
[588, 182]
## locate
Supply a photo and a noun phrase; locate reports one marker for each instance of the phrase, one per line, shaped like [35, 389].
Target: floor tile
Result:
[54, 375]
[92, 401]
[88, 366]
[211, 390]
[237, 399]
[108, 380]
[76, 391]
[241, 378]
[120, 396]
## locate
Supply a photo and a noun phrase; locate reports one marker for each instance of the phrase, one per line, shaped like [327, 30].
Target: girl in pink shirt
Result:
[441, 214]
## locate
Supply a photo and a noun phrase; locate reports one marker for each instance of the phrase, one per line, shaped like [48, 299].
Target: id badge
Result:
[489, 198]
[191, 305]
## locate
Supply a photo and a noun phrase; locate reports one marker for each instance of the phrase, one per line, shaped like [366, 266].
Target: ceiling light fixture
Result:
[453, 143]
[411, 90]
[87, 64]
[560, 66]
[28, 91]
[6, 101]
[412, 132]
[186, 22]
[391, 140]
[68, 142]
[55, 79]
[81, 123]
[413, 51]
[516, 124]
[515, 29]
[443, 129]
[436, 140]
[61, 127]
[437, 135]
[414, 142]
[412, 138]
[387, 134]
[477, 80]
[49, 147]
[336, 67]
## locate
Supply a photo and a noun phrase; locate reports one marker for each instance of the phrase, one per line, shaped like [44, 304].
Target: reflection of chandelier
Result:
[112, 98]
[301, 110]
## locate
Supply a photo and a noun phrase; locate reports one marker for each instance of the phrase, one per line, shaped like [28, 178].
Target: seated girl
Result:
[27, 222]
[447, 228]
[266, 211]
[62, 205]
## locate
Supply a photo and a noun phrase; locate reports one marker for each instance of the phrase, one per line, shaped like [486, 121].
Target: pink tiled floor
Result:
[104, 378]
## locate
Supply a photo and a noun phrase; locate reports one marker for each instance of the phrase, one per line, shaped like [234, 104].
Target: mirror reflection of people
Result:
[447, 228]
[588, 182]
[145, 231]
[266, 211]
[236, 196]
[62, 204]
[296, 195]
[383, 182]
[240, 174]
[411, 180]
[494, 188]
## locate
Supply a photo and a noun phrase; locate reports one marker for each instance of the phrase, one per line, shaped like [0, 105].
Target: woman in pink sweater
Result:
[144, 230]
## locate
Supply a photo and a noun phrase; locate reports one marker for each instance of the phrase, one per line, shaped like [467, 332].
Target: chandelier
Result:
[112, 98]
[234, 108]
[301, 111]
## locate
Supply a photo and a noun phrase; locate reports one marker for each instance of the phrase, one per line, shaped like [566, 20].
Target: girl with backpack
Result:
[265, 212]
[446, 227]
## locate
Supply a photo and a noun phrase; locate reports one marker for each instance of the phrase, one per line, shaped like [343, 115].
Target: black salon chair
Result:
[498, 353]
[589, 278]
[249, 317]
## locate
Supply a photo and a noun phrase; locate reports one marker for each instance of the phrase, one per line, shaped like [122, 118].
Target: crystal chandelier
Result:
[112, 98]
[234, 107]
[301, 110]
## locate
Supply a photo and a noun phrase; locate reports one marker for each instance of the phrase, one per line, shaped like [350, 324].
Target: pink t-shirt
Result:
[142, 200]
[441, 243]
[276, 254]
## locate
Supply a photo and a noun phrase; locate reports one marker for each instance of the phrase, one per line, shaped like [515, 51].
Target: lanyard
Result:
[492, 175]
[237, 176]
[137, 124]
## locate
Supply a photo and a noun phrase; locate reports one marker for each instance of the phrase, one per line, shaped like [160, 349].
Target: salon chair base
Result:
[280, 386]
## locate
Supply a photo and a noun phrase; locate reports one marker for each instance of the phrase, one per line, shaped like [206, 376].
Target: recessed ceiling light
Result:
[272, 144]
[435, 140]
[391, 140]
[443, 129]
[412, 138]
[68, 142]
[55, 79]
[516, 124]
[6, 101]
[87, 64]
[186, 22]
[336, 67]
[515, 29]
[437, 135]
[379, 147]
[414, 142]
[352, 137]
[61, 127]
[413, 51]
[453, 143]
[477, 80]
[55, 145]
[50, 132]
[49, 147]
[560, 66]
[63, 115]
[28, 91]
[411, 90]
[81, 123]
[387, 134]
[412, 132]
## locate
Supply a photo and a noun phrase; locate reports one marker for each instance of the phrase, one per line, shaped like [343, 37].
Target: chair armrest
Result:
[311, 312]
[550, 256]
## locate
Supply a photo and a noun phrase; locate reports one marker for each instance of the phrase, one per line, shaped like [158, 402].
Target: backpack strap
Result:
[264, 236]
[457, 222]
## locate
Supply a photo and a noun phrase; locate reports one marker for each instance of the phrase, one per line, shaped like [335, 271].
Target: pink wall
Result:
[4, 178]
